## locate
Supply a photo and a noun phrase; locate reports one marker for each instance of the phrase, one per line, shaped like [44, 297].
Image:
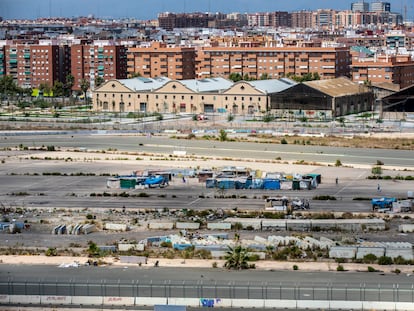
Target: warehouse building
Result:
[398, 104]
[322, 99]
[163, 95]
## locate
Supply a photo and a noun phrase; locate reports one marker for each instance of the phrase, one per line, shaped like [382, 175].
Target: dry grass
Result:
[337, 141]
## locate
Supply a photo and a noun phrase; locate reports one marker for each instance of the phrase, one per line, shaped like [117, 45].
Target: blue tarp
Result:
[271, 184]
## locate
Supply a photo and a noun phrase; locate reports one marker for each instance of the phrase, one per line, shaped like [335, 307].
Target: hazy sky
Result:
[148, 9]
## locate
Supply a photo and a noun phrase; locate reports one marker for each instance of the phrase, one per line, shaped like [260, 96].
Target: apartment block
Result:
[275, 62]
[160, 59]
[380, 6]
[360, 6]
[100, 59]
[269, 19]
[302, 19]
[32, 65]
[169, 21]
[395, 69]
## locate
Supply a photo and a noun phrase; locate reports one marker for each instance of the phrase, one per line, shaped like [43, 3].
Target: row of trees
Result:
[9, 88]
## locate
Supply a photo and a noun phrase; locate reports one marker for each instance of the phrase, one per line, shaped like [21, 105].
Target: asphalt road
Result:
[162, 144]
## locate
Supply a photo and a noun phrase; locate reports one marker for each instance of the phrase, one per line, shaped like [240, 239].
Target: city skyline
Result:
[148, 9]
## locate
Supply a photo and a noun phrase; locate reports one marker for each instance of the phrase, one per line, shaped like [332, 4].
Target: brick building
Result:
[35, 64]
[160, 59]
[275, 62]
[395, 69]
[89, 61]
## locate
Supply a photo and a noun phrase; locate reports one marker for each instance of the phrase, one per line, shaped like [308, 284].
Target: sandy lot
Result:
[185, 162]
[260, 265]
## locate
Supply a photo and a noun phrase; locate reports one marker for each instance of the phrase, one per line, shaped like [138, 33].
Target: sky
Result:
[148, 9]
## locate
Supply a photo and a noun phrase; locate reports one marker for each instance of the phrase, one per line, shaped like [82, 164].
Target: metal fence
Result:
[402, 292]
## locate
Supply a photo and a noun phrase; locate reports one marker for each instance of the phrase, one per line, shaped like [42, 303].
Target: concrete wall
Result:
[219, 225]
[187, 225]
[406, 228]
[161, 225]
[115, 227]
[206, 302]
[126, 247]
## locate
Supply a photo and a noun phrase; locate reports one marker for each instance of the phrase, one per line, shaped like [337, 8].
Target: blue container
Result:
[226, 184]
[211, 183]
[271, 184]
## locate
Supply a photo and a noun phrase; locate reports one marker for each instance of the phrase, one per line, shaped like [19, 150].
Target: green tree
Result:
[58, 89]
[223, 135]
[70, 81]
[230, 118]
[99, 81]
[376, 171]
[235, 77]
[135, 75]
[93, 249]
[8, 86]
[264, 76]
[268, 118]
[45, 88]
[236, 258]
[84, 84]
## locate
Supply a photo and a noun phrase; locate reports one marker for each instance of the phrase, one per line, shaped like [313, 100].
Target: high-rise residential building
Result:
[33, 65]
[302, 19]
[380, 6]
[160, 59]
[99, 59]
[280, 19]
[361, 6]
[273, 62]
[169, 21]
[269, 19]
[323, 19]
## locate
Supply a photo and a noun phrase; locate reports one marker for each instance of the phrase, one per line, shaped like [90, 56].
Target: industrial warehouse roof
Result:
[273, 85]
[207, 84]
[144, 84]
[337, 87]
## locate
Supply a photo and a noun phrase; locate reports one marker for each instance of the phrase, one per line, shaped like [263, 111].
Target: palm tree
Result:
[236, 258]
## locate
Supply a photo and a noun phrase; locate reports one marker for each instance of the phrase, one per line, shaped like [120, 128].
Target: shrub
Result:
[295, 267]
[385, 260]
[338, 163]
[51, 251]
[371, 269]
[214, 264]
[340, 268]
[369, 258]
[166, 244]
[340, 260]
[284, 141]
